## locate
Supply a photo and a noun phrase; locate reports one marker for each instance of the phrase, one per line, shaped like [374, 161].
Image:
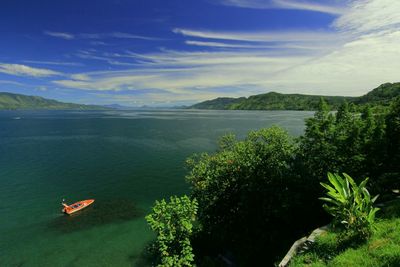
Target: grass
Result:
[381, 249]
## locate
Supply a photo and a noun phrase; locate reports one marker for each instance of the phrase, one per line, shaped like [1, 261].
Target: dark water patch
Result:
[19, 264]
[74, 261]
[99, 213]
[147, 257]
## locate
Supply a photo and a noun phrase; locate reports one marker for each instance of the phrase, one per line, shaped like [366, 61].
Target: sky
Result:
[180, 52]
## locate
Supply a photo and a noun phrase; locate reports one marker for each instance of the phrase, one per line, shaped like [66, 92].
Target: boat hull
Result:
[70, 209]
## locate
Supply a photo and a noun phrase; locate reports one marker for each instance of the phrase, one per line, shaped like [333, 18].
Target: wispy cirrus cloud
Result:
[316, 6]
[358, 52]
[366, 16]
[260, 36]
[98, 43]
[96, 36]
[54, 63]
[187, 73]
[105, 57]
[132, 36]
[223, 45]
[62, 35]
[11, 82]
[250, 46]
[283, 41]
[24, 70]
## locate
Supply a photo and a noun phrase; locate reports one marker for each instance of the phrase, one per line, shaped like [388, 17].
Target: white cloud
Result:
[365, 16]
[120, 35]
[177, 71]
[221, 59]
[359, 52]
[107, 83]
[104, 57]
[56, 63]
[98, 43]
[23, 70]
[11, 82]
[281, 36]
[355, 68]
[42, 88]
[216, 44]
[250, 46]
[310, 6]
[62, 35]
[80, 77]
[287, 4]
[131, 36]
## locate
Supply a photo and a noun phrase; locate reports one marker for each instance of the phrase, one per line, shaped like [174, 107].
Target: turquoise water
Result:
[123, 159]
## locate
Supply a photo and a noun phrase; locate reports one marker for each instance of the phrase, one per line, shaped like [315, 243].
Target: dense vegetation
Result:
[11, 101]
[219, 103]
[381, 249]
[276, 101]
[350, 205]
[381, 95]
[172, 221]
[255, 196]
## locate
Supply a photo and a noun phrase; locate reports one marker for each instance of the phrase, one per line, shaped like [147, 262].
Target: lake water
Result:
[123, 159]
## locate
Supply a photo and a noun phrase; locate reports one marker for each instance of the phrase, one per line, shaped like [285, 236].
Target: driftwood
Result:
[301, 245]
[292, 251]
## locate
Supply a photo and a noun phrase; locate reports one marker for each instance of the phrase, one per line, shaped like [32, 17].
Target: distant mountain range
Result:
[381, 95]
[10, 101]
[118, 106]
[276, 101]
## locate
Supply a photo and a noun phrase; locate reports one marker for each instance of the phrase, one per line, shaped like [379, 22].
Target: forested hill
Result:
[272, 101]
[276, 101]
[381, 95]
[10, 101]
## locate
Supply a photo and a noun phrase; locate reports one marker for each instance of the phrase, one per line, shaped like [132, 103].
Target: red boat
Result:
[69, 209]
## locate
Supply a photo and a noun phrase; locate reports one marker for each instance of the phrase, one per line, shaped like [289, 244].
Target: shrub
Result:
[244, 192]
[172, 222]
[350, 204]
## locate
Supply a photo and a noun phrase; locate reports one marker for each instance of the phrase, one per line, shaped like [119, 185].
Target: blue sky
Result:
[175, 52]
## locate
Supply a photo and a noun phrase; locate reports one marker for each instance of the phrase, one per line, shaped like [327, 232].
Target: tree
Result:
[244, 193]
[393, 136]
[317, 151]
[173, 223]
[344, 141]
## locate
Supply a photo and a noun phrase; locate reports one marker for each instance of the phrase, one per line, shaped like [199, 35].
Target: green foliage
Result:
[393, 136]
[218, 103]
[272, 101]
[350, 204]
[342, 142]
[227, 142]
[381, 249]
[244, 189]
[381, 95]
[317, 150]
[173, 223]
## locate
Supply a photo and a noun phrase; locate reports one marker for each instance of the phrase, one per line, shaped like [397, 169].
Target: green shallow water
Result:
[124, 159]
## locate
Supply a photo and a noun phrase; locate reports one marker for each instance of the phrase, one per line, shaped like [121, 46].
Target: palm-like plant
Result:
[349, 203]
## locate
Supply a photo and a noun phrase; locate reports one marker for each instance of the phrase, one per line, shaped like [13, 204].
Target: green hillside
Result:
[219, 103]
[276, 101]
[10, 101]
[381, 95]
